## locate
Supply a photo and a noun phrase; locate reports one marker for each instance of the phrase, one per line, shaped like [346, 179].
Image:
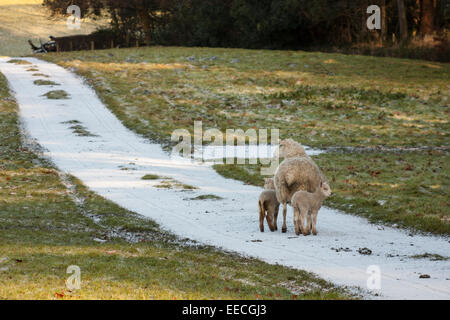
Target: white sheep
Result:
[306, 207]
[296, 174]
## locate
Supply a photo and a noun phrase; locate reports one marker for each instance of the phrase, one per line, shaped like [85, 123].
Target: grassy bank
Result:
[322, 100]
[49, 221]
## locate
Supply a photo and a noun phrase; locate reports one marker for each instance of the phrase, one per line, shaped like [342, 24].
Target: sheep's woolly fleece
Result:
[98, 161]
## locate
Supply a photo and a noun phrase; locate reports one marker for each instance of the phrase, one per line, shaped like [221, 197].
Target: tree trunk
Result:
[427, 21]
[402, 21]
[144, 18]
[384, 27]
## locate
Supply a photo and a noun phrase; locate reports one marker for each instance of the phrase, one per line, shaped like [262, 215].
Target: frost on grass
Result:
[56, 94]
[41, 82]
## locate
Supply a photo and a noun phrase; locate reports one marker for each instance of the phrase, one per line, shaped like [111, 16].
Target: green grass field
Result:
[382, 106]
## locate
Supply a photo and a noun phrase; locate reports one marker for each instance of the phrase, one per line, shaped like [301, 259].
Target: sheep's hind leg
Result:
[284, 228]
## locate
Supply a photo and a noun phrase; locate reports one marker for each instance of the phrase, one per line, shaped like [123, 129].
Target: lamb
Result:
[307, 205]
[269, 184]
[268, 206]
[296, 174]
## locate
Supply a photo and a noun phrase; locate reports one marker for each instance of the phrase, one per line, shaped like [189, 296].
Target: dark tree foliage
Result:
[129, 18]
[264, 23]
[197, 23]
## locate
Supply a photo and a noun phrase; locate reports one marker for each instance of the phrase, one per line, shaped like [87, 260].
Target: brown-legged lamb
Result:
[306, 207]
[296, 174]
[268, 206]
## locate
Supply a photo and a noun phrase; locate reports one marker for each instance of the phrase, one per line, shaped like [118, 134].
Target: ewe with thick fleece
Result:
[268, 206]
[289, 148]
[307, 205]
[296, 174]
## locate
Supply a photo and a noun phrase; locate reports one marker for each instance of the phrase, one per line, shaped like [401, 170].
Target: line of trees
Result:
[266, 23]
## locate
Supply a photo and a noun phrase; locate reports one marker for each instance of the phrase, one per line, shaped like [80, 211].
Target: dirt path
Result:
[112, 160]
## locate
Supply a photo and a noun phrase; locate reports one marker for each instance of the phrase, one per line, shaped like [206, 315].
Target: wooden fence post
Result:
[92, 45]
